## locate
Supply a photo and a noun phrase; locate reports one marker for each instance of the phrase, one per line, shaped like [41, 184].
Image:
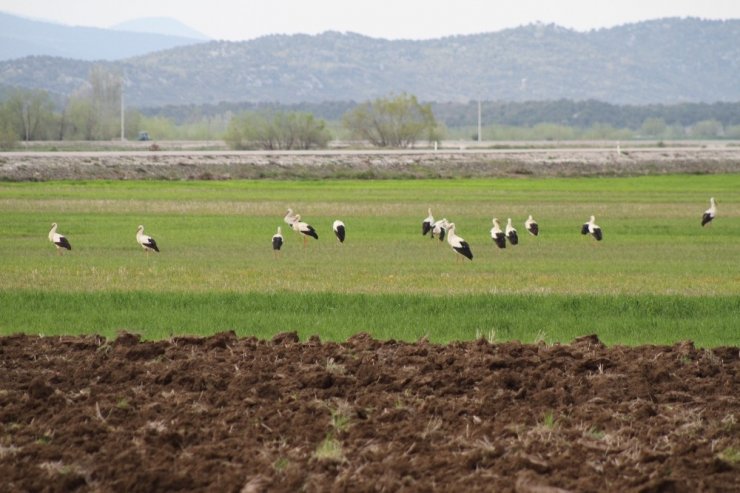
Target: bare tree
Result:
[392, 122]
[94, 111]
[278, 130]
[29, 111]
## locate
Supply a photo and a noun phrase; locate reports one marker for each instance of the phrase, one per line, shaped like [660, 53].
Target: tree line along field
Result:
[658, 276]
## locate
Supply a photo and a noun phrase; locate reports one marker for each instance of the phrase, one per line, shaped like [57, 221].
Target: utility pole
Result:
[479, 123]
[123, 115]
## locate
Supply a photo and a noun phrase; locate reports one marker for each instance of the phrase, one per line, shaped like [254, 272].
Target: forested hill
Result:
[661, 61]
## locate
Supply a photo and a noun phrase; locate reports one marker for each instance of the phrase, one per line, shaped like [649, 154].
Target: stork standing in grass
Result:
[457, 243]
[531, 226]
[439, 229]
[427, 223]
[60, 241]
[277, 242]
[339, 230]
[304, 229]
[592, 228]
[710, 213]
[511, 233]
[146, 241]
[497, 234]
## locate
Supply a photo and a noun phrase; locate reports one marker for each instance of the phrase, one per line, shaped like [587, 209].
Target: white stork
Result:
[60, 241]
[277, 241]
[303, 228]
[532, 226]
[511, 233]
[289, 217]
[146, 241]
[439, 228]
[339, 230]
[427, 223]
[592, 228]
[457, 243]
[710, 213]
[497, 235]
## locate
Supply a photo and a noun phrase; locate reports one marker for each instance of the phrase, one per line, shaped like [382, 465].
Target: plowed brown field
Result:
[229, 415]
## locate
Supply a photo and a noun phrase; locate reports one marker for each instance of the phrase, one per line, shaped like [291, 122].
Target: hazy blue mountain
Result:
[661, 61]
[160, 25]
[20, 37]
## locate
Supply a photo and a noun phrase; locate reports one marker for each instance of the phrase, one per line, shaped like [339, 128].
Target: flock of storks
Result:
[443, 228]
[440, 229]
[305, 230]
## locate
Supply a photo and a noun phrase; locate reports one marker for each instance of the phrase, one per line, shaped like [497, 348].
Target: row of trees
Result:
[398, 121]
[92, 113]
[577, 114]
[585, 114]
[710, 129]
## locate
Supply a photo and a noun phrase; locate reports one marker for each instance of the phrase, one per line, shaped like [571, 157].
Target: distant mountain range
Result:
[661, 61]
[161, 25]
[21, 37]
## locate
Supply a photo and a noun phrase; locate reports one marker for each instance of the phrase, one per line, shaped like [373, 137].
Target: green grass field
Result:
[657, 277]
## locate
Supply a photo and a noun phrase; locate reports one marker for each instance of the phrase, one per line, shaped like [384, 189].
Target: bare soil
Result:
[246, 415]
[366, 164]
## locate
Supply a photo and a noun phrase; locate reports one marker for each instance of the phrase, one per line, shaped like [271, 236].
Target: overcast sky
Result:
[407, 19]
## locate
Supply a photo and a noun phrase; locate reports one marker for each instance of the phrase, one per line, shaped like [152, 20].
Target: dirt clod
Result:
[38, 389]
